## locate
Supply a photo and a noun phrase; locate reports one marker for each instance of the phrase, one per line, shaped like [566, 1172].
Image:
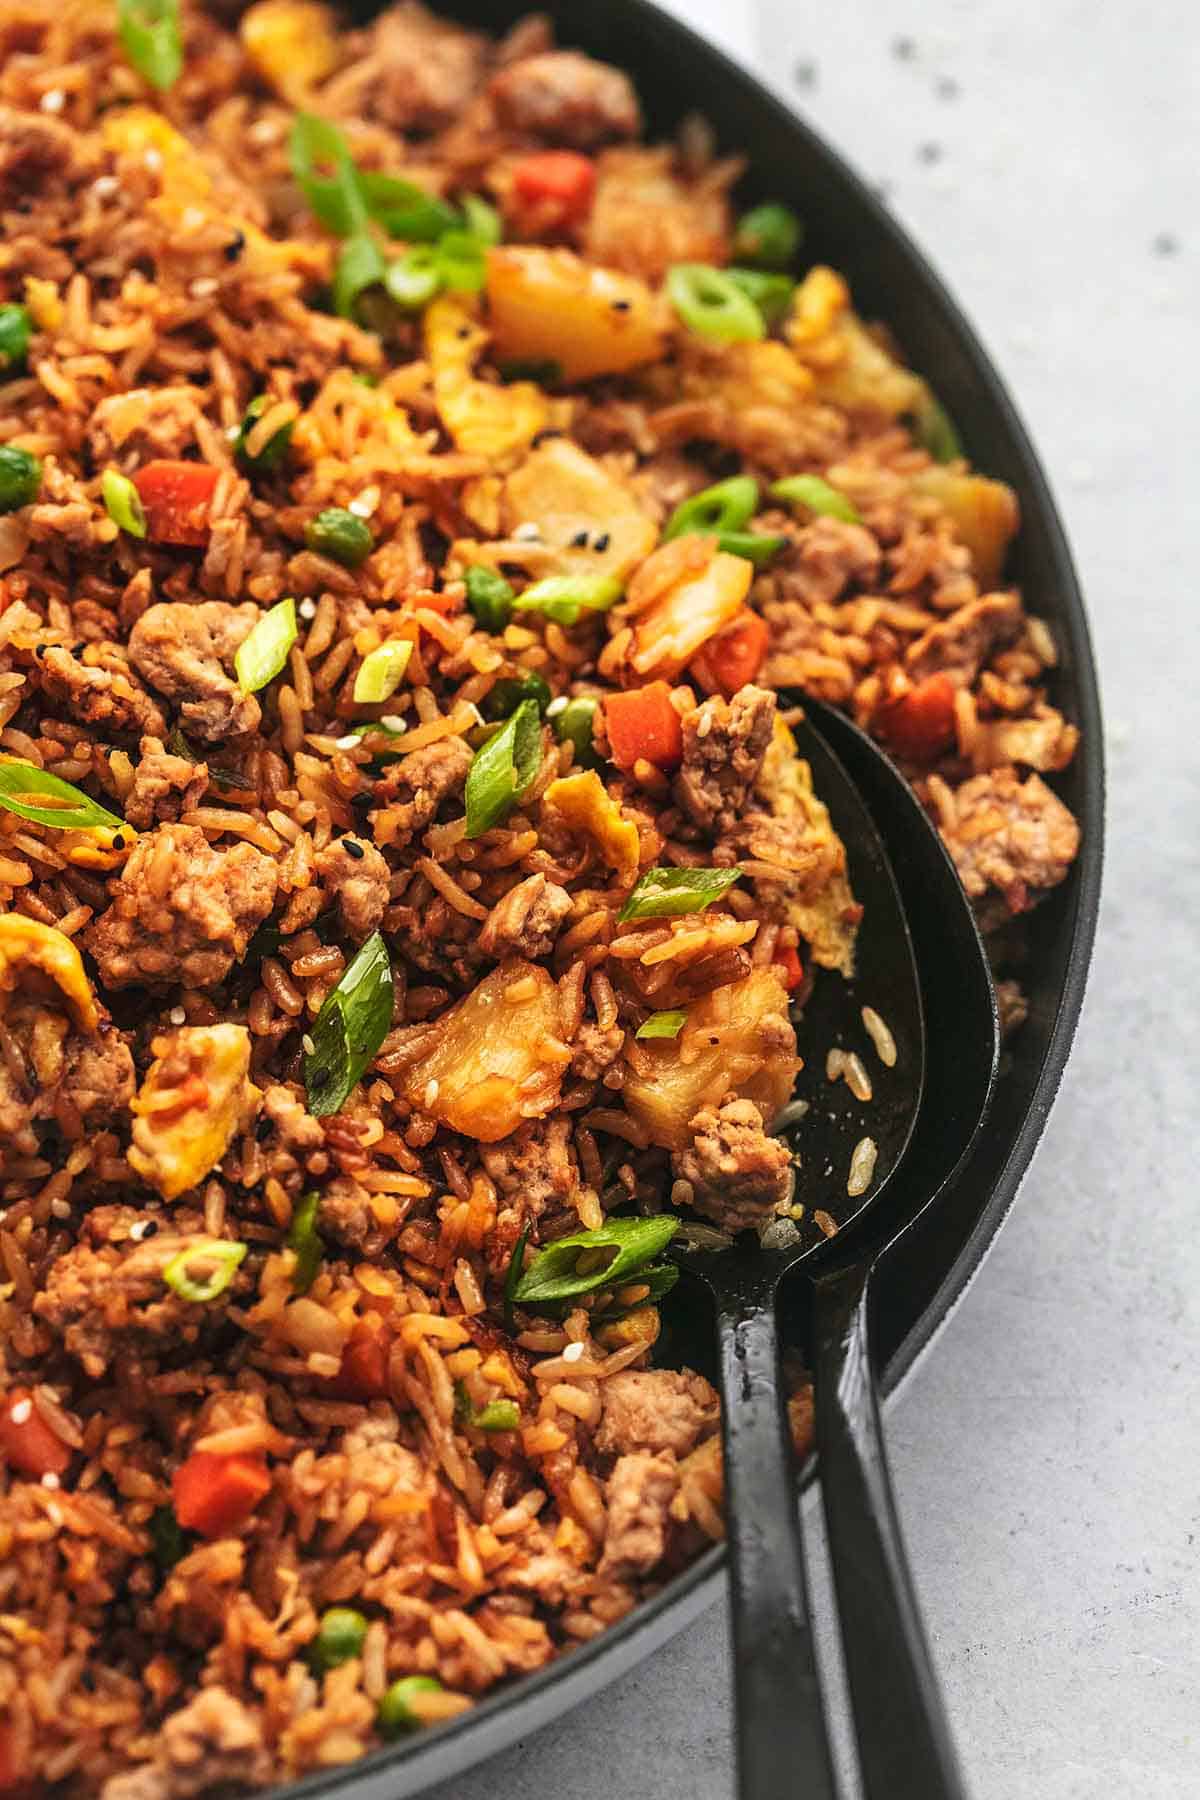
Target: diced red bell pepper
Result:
[643, 725]
[919, 724]
[364, 1371]
[176, 496]
[733, 658]
[214, 1495]
[791, 969]
[560, 183]
[26, 1439]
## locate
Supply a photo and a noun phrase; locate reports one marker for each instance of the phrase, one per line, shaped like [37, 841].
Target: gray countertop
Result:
[1046, 1450]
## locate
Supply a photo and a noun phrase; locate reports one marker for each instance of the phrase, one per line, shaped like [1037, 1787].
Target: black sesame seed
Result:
[579, 541]
[622, 305]
[235, 246]
[354, 848]
[602, 542]
[149, 1228]
[118, 841]
[464, 331]
[39, 650]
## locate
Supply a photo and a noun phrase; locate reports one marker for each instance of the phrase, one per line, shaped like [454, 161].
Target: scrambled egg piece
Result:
[292, 44]
[26, 946]
[818, 900]
[483, 418]
[850, 367]
[584, 805]
[570, 497]
[197, 1094]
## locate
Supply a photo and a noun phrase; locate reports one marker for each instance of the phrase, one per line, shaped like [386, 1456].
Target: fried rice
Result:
[392, 944]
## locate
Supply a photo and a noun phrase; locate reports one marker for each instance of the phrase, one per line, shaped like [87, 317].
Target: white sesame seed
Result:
[307, 609]
[137, 1232]
[394, 722]
[432, 1090]
[556, 706]
[105, 186]
[349, 741]
[204, 287]
[152, 159]
[61, 1209]
[573, 1353]
[53, 100]
[364, 504]
[192, 219]
[50, 1479]
[177, 1015]
[21, 1411]
[307, 1045]
[527, 533]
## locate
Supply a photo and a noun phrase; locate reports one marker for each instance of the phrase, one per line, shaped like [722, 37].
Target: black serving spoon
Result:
[904, 1744]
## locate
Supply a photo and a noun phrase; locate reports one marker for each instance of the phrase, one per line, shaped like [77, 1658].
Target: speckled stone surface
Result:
[1047, 1449]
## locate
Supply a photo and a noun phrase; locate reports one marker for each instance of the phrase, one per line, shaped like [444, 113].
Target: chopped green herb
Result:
[481, 219]
[727, 506]
[340, 1636]
[382, 671]
[325, 173]
[507, 695]
[660, 1278]
[359, 266]
[516, 1265]
[203, 1271]
[123, 503]
[169, 1541]
[934, 430]
[817, 495]
[20, 478]
[772, 294]
[489, 597]
[340, 535]
[262, 655]
[405, 210]
[353, 1021]
[46, 799]
[150, 36]
[497, 1415]
[757, 547]
[504, 769]
[664, 893]
[462, 262]
[553, 1276]
[564, 597]
[304, 1239]
[663, 1025]
[277, 445]
[768, 236]
[395, 1713]
[415, 278]
[16, 329]
[712, 305]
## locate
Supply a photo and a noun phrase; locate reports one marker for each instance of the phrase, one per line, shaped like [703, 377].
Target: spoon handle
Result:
[782, 1744]
[904, 1744]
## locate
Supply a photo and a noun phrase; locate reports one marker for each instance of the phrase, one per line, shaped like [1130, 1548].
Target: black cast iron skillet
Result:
[924, 1273]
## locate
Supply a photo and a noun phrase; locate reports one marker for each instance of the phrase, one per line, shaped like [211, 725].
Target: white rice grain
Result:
[880, 1036]
[862, 1166]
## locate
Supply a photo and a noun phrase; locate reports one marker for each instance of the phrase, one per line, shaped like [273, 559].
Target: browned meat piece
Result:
[566, 98]
[52, 1072]
[35, 151]
[94, 1299]
[534, 1163]
[95, 695]
[648, 214]
[656, 1410]
[639, 1494]
[164, 786]
[428, 69]
[211, 1743]
[346, 1215]
[298, 1131]
[1007, 834]
[596, 1050]
[825, 559]
[98, 1077]
[182, 910]
[526, 921]
[963, 643]
[356, 875]
[414, 789]
[1045, 742]
[724, 742]
[185, 652]
[738, 1174]
[144, 423]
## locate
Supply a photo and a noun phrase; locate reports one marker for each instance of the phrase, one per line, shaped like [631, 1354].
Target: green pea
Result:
[489, 597]
[768, 236]
[20, 478]
[507, 695]
[576, 721]
[395, 1709]
[341, 535]
[276, 446]
[340, 1637]
[16, 329]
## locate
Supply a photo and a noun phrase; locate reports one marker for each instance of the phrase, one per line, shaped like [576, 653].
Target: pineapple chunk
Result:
[985, 515]
[550, 306]
[737, 1040]
[292, 44]
[197, 1094]
[483, 418]
[851, 368]
[29, 947]
[585, 806]
[818, 900]
[498, 1059]
[567, 494]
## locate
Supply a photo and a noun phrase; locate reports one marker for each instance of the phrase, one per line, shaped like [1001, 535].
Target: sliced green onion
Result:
[497, 1415]
[382, 671]
[405, 210]
[462, 262]
[727, 506]
[768, 236]
[169, 1541]
[481, 219]
[757, 547]
[934, 430]
[712, 305]
[277, 445]
[552, 1274]
[150, 35]
[203, 1271]
[665, 893]
[359, 266]
[305, 1241]
[659, 1278]
[576, 720]
[262, 655]
[507, 695]
[23, 785]
[395, 1713]
[370, 727]
[16, 329]
[489, 597]
[340, 1636]
[504, 769]
[123, 503]
[354, 1019]
[817, 495]
[564, 597]
[516, 1265]
[663, 1025]
[20, 478]
[336, 197]
[414, 278]
[772, 294]
[340, 535]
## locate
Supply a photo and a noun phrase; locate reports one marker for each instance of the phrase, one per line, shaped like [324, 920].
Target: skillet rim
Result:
[532, 1701]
